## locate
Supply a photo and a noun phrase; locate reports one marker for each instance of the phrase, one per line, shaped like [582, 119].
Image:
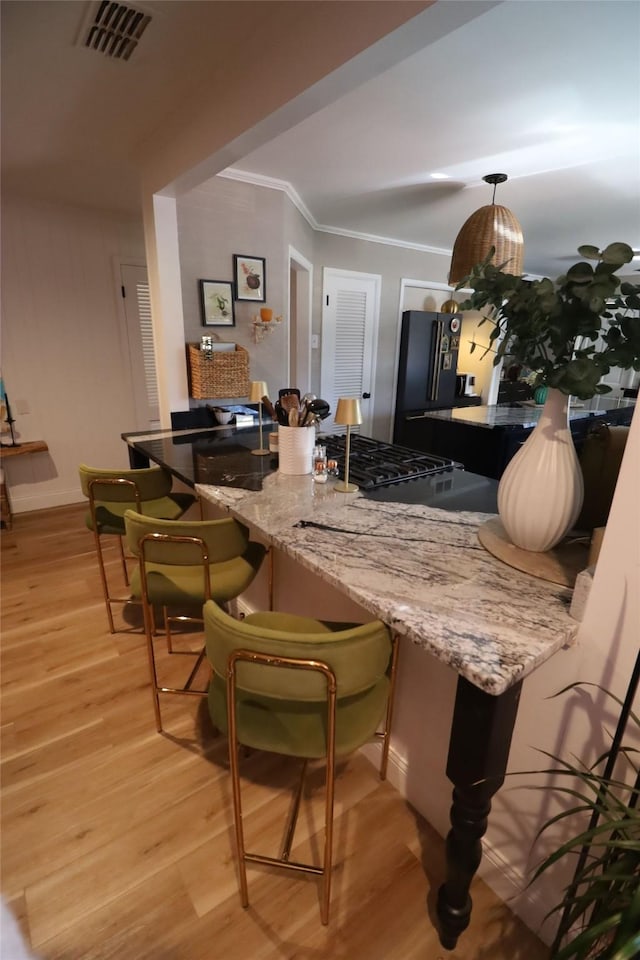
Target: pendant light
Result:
[490, 226]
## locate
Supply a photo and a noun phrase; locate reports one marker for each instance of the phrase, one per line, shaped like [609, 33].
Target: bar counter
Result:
[421, 570]
[424, 573]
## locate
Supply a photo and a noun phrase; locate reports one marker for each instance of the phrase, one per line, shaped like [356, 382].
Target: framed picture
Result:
[216, 303]
[250, 278]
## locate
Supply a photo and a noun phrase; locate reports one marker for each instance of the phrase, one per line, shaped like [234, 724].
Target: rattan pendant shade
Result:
[490, 226]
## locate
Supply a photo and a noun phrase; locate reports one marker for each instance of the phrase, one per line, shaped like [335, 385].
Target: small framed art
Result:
[216, 303]
[250, 278]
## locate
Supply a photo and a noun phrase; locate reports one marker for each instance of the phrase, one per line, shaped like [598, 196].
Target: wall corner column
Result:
[165, 287]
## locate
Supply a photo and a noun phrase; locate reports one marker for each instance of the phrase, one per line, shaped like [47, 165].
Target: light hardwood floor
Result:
[117, 842]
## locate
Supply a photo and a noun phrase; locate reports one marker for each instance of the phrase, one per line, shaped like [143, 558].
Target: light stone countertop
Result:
[525, 414]
[419, 569]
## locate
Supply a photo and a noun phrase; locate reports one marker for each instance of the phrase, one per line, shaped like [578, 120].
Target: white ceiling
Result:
[547, 91]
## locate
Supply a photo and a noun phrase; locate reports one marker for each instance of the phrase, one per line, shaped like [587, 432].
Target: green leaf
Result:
[589, 252]
[580, 945]
[617, 253]
[580, 272]
[542, 320]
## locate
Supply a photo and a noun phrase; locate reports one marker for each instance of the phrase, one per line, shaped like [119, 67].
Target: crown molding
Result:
[271, 183]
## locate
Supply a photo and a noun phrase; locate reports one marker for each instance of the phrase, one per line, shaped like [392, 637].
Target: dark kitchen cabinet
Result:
[479, 449]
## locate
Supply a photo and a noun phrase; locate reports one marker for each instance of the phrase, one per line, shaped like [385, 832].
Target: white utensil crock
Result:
[295, 449]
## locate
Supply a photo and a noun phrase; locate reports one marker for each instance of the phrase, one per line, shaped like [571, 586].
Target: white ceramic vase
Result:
[540, 494]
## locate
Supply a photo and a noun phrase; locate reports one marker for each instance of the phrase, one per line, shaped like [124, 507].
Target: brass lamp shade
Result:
[257, 390]
[490, 226]
[348, 412]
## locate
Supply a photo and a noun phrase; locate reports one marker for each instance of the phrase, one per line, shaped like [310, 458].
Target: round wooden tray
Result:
[560, 565]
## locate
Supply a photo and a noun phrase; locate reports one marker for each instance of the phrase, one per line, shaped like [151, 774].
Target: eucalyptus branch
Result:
[540, 320]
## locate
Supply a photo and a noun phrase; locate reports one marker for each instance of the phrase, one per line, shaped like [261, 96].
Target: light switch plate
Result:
[315, 341]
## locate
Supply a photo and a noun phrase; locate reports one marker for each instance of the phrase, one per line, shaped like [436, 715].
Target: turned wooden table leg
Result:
[478, 753]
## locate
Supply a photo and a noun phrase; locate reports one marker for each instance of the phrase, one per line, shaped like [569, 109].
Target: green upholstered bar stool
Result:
[110, 494]
[304, 688]
[183, 564]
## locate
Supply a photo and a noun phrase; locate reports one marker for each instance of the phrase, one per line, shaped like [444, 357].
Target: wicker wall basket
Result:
[222, 375]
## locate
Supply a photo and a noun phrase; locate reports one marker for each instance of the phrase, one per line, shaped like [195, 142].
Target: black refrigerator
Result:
[429, 344]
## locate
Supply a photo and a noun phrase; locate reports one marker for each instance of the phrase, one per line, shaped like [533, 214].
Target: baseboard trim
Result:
[44, 501]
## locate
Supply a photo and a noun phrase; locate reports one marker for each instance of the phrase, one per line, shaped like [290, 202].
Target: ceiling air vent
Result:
[115, 30]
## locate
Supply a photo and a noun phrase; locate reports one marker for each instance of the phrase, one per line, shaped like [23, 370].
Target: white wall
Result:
[217, 220]
[64, 351]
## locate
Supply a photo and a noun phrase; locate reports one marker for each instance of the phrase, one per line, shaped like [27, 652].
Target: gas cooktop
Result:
[373, 463]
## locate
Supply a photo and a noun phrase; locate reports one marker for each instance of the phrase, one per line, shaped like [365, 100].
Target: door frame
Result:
[299, 307]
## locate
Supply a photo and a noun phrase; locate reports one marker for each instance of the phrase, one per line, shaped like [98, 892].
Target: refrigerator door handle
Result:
[435, 369]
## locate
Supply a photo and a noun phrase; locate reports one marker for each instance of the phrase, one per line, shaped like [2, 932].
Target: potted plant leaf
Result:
[600, 910]
[572, 331]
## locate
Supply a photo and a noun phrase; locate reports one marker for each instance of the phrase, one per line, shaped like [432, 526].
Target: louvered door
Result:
[142, 359]
[349, 336]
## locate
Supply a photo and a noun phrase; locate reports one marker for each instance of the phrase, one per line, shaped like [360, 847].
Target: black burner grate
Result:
[376, 464]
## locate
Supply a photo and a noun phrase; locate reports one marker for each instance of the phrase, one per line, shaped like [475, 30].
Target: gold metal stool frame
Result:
[108, 599]
[150, 631]
[284, 862]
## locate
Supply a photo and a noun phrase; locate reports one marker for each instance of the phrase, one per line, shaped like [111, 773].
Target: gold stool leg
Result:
[293, 815]
[386, 736]
[148, 631]
[243, 856]
[103, 578]
[167, 629]
[329, 798]
[235, 782]
[123, 561]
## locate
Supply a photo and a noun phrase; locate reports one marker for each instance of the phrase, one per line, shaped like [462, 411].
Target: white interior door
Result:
[137, 308]
[350, 315]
